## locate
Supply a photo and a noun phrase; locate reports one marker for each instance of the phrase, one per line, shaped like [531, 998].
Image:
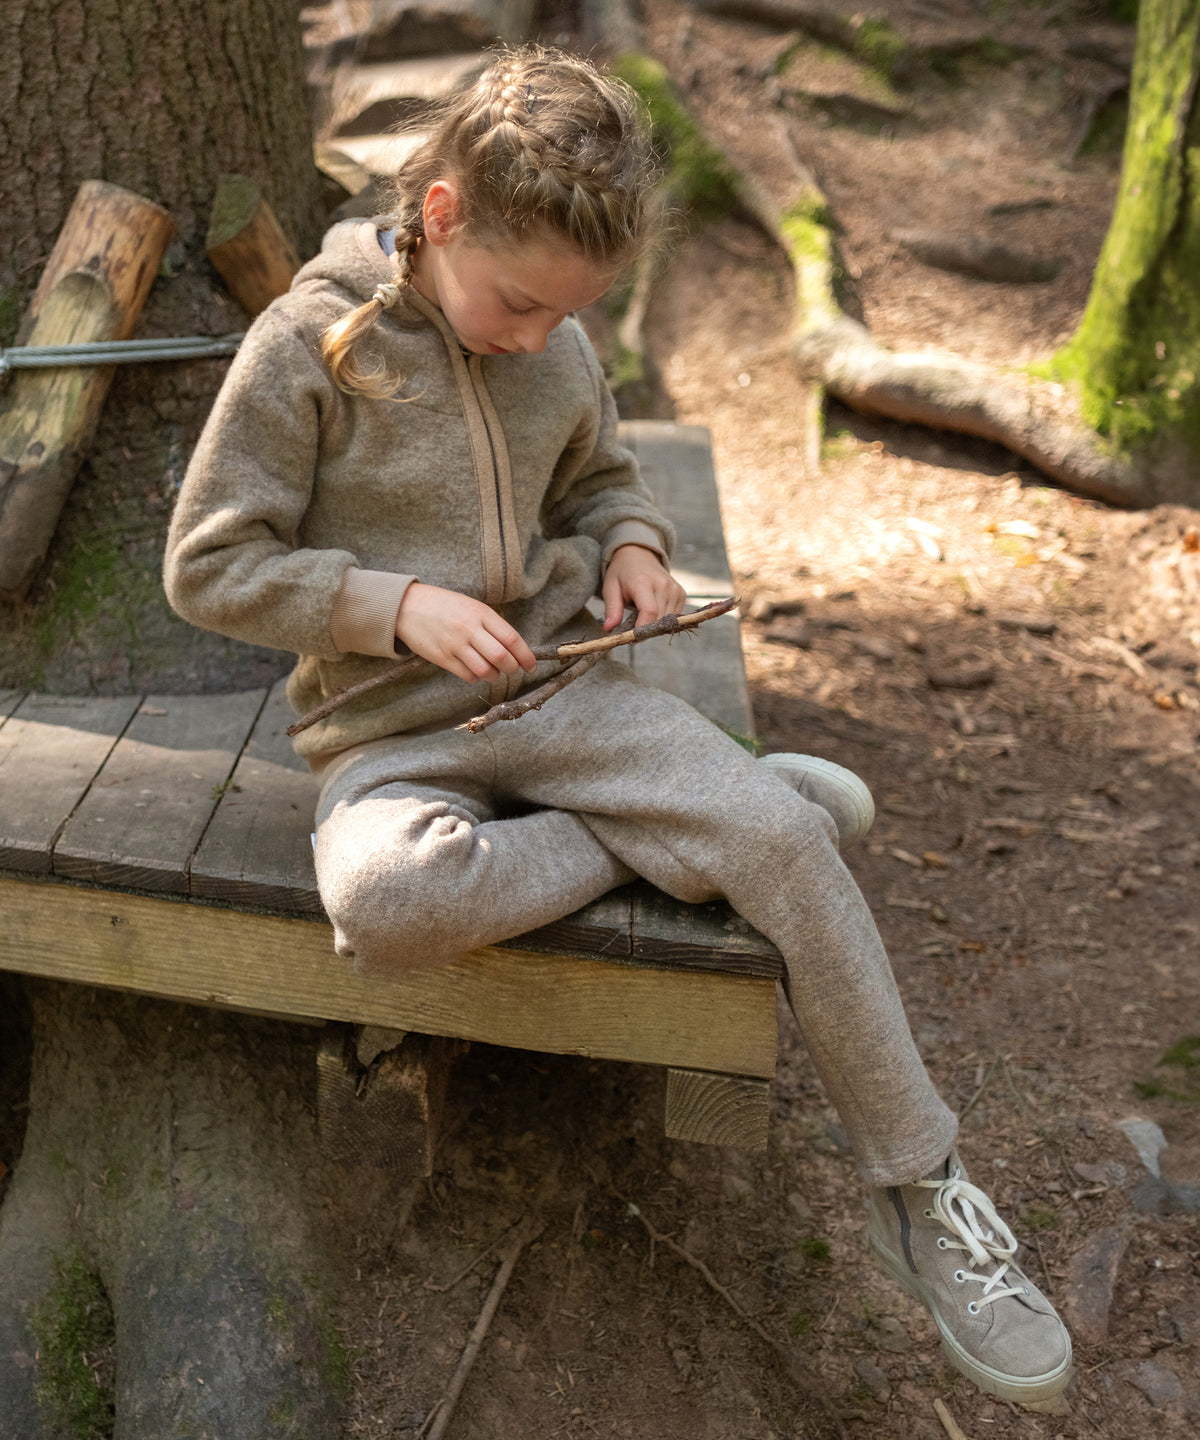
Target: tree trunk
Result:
[1136, 354]
[160, 97]
[161, 1269]
[160, 1248]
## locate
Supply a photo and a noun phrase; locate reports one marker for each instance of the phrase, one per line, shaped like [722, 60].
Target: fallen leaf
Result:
[934, 861]
[909, 858]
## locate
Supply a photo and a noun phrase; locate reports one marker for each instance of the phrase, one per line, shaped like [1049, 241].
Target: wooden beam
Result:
[93, 287]
[717, 1109]
[562, 1004]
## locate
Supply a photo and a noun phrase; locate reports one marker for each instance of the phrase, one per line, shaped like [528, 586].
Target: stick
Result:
[444, 1409]
[592, 650]
[514, 709]
[949, 1424]
[781, 1352]
[625, 634]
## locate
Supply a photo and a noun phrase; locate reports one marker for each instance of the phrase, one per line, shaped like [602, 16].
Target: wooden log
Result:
[383, 1112]
[247, 246]
[93, 288]
[717, 1109]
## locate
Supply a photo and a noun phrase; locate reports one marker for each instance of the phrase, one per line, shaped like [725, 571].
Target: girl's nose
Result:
[534, 333]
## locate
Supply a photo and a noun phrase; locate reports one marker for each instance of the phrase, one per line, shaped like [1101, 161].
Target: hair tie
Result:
[387, 294]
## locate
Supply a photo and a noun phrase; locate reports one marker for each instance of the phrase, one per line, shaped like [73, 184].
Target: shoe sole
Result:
[1030, 1391]
[852, 790]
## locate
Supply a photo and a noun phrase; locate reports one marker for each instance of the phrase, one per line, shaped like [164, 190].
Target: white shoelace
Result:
[965, 1211]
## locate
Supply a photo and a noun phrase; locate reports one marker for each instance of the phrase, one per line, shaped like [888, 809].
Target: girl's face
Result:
[501, 299]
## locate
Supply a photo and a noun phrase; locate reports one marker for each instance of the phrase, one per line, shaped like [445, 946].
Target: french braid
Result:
[539, 144]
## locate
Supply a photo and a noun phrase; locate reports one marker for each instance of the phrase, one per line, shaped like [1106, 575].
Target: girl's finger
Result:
[511, 642]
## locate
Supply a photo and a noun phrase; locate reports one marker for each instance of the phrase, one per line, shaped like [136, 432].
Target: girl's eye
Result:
[516, 309]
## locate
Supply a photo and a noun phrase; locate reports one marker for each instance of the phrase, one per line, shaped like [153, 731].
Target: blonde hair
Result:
[540, 143]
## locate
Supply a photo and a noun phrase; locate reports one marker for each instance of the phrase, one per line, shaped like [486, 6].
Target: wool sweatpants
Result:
[427, 847]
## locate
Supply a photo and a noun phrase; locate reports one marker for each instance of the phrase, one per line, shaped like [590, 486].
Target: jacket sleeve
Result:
[597, 488]
[235, 560]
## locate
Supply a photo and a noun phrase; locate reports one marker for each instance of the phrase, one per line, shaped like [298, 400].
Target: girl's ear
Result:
[440, 212]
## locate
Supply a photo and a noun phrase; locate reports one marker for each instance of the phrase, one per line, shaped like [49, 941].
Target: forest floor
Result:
[1033, 868]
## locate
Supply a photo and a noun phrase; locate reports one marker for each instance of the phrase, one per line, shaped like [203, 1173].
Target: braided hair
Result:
[541, 143]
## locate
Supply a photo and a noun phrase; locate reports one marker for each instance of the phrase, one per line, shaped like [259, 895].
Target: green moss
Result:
[801, 1324]
[74, 1330]
[747, 742]
[235, 202]
[882, 49]
[1183, 1057]
[815, 1250]
[1136, 354]
[1040, 1217]
[699, 177]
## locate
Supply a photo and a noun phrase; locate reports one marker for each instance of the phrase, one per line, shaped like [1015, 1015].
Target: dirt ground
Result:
[1033, 867]
[1013, 670]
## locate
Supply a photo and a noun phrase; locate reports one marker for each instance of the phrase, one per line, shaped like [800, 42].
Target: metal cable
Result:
[118, 352]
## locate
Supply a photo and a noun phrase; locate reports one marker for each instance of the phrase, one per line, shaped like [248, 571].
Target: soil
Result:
[1033, 867]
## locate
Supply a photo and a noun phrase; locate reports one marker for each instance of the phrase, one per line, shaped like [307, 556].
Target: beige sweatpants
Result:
[419, 857]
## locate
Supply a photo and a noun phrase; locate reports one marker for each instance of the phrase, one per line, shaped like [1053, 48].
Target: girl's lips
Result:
[497, 350]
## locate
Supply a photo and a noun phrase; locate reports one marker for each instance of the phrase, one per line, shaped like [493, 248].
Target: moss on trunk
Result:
[1136, 355]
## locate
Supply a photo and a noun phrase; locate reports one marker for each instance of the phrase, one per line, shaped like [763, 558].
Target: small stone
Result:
[799, 1207]
[1147, 1139]
[736, 1189]
[891, 1335]
[874, 1379]
[1158, 1384]
[1091, 1278]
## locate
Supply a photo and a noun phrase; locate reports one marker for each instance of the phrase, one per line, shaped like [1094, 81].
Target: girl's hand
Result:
[637, 577]
[461, 635]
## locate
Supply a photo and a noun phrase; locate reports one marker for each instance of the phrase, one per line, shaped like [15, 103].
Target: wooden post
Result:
[93, 288]
[246, 245]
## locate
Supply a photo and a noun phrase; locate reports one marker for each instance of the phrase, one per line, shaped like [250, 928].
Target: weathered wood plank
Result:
[706, 668]
[717, 1109]
[147, 808]
[257, 848]
[677, 463]
[51, 748]
[603, 928]
[9, 700]
[709, 937]
[561, 1004]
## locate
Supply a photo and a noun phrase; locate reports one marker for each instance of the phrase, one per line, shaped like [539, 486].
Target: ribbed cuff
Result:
[364, 611]
[633, 532]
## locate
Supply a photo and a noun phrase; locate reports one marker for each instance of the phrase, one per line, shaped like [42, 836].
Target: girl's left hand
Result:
[637, 577]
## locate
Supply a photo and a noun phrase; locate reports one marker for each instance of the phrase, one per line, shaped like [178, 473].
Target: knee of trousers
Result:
[398, 884]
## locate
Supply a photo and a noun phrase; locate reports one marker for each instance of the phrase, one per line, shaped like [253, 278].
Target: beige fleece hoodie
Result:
[306, 513]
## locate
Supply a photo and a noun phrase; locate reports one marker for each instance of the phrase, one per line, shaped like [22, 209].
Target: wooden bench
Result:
[160, 845]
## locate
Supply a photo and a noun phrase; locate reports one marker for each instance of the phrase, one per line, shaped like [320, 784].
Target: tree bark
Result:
[160, 1243]
[1136, 354]
[159, 97]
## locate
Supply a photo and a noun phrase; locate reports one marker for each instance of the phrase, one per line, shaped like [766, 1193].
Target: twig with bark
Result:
[591, 651]
[626, 633]
[440, 1416]
[782, 1353]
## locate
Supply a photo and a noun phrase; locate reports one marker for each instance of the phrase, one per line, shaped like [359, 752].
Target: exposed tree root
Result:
[837, 353]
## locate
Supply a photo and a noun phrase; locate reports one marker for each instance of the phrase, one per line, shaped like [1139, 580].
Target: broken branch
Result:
[444, 1409]
[782, 1352]
[626, 634]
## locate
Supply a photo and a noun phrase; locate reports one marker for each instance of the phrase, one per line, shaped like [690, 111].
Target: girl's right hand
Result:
[461, 635]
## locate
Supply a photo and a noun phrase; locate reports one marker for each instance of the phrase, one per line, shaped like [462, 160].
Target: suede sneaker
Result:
[942, 1241]
[834, 788]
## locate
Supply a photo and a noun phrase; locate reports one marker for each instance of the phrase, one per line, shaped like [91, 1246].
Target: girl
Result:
[414, 452]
